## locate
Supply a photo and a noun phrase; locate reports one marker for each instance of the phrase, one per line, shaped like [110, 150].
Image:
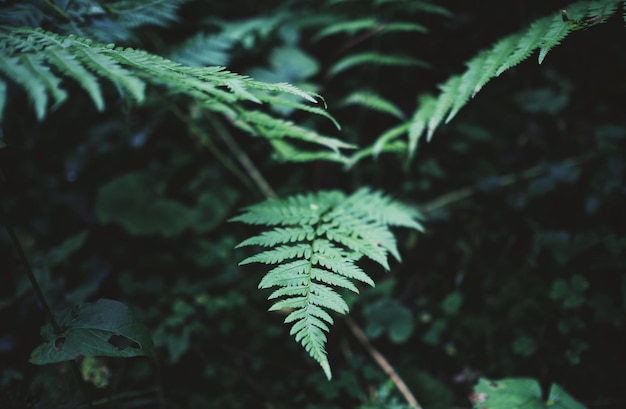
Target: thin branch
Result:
[242, 157]
[459, 195]
[383, 363]
[56, 328]
[57, 9]
[29, 273]
[206, 141]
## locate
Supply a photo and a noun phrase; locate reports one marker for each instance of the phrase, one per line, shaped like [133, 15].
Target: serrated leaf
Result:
[103, 328]
[519, 393]
[324, 236]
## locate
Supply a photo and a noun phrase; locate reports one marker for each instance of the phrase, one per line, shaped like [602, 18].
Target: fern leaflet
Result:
[315, 243]
[543, 34]
[38, 61]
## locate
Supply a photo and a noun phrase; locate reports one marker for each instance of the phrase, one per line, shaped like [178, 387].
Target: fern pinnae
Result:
[107, 67]
[528, 43]
[281, 253]
[326, 234]
[496, 56]
[443, 104]
[280, 235]
[373, 101]
[50, 81]
[65, 63]
[419, 121]
[35, 88]
[354, 60]
[557, 32]
[3, 97]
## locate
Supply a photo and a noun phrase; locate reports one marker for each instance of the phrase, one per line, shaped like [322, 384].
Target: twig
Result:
[502, 181]
[29, 273]
[56, 328]
[57, 9]
[242, 157]
[383, 363]
[205, 140]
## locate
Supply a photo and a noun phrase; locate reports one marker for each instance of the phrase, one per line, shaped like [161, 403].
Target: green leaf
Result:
[145, 211]
[375, 59]
[519, 393]
[391, 317]
[315, 242]
[61, 252]
[103, 328]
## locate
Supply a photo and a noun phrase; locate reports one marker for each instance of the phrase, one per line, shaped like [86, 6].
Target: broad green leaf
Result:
[145, 211]
[519, 393]
[102, 328]
[391, 317]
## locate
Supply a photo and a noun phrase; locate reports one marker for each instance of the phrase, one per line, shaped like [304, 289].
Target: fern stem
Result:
[29, 272]
[57, 9]
[56, 328]
[458, 195]
[243, 158]
[205, 140]
[383, 363]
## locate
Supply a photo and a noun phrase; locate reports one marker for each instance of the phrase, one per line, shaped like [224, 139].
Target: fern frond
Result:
[416, 6]
[204, 49]
[108, 68]
[13, 68]
[133, 13]
[280, 254]
[316, 241]
[280, 236]
[354, 26]
[367, 58]
[65, 62]
[543, 34]
[373, 101]
[38, 60]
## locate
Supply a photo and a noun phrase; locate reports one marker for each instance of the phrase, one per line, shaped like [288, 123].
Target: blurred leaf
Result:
[524, 346]
[95, 371]
[61, 252]
[144, 211]
[452, 303]
[520, 393]
[103, 328]
[388, 316]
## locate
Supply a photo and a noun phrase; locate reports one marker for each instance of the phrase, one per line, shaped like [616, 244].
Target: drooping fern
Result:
[543, 34]
[104, 21]
[315, 243]
[38, 61]
[365, 37]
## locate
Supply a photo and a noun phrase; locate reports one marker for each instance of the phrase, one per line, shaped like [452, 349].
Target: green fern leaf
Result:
[555, 33]
[419, 122]
[280, 236]
[107, 67]
[280, 254]
[65, 62]
[50, 81]
[352, 27]
[369, 58]
[287, 152]
[528, 43]
[373, 101]
[543, 34]
[3, 100]
[36, 89]
[385, 142]
[37, 60]
[315, 242]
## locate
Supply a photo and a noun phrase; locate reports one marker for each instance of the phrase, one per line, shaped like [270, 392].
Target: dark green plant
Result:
[482, 292]
[316, 242]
